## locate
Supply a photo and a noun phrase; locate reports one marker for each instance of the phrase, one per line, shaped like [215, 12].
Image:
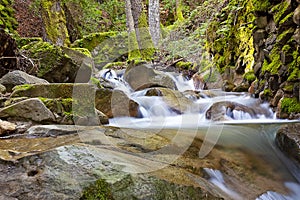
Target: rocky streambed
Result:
[57, 141]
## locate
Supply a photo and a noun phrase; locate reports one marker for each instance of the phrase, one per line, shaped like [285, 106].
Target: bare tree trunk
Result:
[133, 47]
[154, 21]
[142, 40]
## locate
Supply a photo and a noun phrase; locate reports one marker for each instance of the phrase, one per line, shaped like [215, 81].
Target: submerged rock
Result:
[30, 109]
[144, 76]
[17, 77]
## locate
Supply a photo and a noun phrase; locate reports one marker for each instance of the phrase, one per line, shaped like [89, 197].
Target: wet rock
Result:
[228, 86]
[288, 140]
[243, 87]
[30, 109]
[59, 65]
[6, 127]
[17, 77]
[144, 76]
[279, 94]
[175, 100]
[115, 103]
[225, 110]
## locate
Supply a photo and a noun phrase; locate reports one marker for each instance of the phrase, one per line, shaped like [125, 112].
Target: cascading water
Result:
[251, 125]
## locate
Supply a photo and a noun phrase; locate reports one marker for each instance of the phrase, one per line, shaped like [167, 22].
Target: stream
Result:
[241, 130]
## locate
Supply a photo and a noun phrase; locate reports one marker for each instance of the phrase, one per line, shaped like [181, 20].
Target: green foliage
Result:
[229, 36]
[290, 105]
[7, 19]
[100, 190]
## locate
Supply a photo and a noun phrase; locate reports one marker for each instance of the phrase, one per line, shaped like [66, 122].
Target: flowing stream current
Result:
[242, 130]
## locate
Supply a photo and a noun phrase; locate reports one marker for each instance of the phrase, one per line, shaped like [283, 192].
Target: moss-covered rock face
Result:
[7, 20]
[258, 39]
[229, 39]
[56, 64]
[54, 22]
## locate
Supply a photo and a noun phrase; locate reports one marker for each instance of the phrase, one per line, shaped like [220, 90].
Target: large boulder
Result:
[30, 109]
[144, 76]
[175, 100]
[288, 140]
[17, 77]
[115, 103]
[59, 65]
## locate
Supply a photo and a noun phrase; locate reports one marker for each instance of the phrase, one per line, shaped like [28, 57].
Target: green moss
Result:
[261, 5]
[55, 23]
[7, 19]
[280, 11]
[25, 41]
[184, 65]
[285, 36]
[250, 76]
[84, 51]
[49, 55]
[290, 105]
[92, 40]
[267, 92]
[23, 87]
[275, 62]
[99, 190]
[294, 72]
[114, 65]
[145, 43]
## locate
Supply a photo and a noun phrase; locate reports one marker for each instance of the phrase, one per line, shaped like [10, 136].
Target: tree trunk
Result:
[154, 21]
[142, 35]
[133, 47]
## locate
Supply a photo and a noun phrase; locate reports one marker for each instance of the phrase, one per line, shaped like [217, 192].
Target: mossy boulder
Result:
[288, 106]
[59, 65]
[106, 47]
[54, 90]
